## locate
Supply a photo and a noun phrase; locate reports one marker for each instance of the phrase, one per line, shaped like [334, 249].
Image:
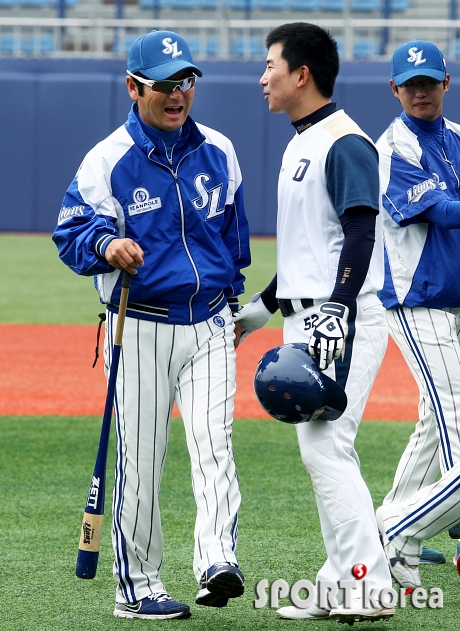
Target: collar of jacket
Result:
[409, 121]
[191, 135]
[315, 117]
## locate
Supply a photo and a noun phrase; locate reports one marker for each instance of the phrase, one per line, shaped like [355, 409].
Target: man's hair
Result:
[308, 45]
[140, 86]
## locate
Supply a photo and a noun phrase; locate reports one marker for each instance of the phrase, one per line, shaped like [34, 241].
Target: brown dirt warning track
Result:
[46, 370]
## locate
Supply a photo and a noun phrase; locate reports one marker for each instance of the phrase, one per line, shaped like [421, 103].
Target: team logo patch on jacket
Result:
[219, 321]
[208, 199]
[67, 212]
[143, 203]
[416, 192]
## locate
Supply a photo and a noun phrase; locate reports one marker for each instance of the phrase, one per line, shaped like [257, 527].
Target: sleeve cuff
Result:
[233, 303]
[102, 243]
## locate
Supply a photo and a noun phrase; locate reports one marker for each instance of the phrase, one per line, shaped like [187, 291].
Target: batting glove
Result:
[252, 316]
[327, 342]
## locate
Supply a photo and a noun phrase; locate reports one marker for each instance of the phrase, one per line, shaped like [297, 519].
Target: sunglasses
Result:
[168, 85]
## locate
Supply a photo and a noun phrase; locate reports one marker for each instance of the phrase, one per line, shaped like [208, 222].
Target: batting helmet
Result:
[292, 389]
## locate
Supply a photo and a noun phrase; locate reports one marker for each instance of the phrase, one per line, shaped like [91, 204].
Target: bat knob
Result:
[86, 564]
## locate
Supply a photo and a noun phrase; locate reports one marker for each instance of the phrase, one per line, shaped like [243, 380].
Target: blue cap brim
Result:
[439, 75]
[164, 71]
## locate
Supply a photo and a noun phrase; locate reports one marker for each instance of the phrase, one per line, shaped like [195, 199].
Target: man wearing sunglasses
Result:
[420, 202]
[161, 198]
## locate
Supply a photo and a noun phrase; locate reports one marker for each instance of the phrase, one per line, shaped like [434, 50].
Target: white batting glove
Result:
[327, 342]
[252, 316]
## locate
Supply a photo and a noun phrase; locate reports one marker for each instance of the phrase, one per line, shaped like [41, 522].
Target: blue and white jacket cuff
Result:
[233, 303]
[102, 243]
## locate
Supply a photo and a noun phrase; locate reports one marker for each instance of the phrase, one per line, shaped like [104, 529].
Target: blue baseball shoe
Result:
[432, 556]
[158, 606]
[454, 532]
[220, 582]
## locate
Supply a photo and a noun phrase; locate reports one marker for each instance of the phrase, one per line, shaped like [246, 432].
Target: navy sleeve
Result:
[352, 174]
[269, 295]
[358, 226]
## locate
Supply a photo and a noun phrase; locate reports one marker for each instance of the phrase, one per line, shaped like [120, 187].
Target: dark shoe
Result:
[454, 532]
[159, 606]
[220, 582]
[432, 556]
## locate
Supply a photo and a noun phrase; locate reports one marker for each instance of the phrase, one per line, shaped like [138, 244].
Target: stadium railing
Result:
[220, 38]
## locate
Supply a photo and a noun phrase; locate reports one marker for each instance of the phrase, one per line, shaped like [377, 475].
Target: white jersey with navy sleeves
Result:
[421, 258]
[187, 212]
[420, 166]
[309, 234]
[310, 240]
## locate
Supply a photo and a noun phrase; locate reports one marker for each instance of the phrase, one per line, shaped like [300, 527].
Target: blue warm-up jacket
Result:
[186, 213]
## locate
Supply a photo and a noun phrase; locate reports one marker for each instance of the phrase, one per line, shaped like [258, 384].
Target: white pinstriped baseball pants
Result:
[420, 506]
[327, 449]
[194, 366]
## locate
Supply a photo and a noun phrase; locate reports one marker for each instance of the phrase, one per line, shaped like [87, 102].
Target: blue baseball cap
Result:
[160, 54]
[417, 58]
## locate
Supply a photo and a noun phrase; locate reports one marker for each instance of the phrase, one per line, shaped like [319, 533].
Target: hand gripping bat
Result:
[91, 530]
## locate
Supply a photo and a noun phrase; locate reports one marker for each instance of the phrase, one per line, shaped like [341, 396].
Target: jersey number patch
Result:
[207, 199]
[301, 170]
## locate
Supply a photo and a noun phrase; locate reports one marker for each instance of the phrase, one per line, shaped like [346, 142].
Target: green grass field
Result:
[45, 469]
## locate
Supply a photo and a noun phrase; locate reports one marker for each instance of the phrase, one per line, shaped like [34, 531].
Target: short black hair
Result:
[140, 86]
[309, 45]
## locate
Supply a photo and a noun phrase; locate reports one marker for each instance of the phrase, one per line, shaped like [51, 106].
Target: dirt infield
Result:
[46, 370]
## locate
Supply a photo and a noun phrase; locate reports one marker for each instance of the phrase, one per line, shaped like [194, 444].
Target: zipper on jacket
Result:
[184, 241]
[451, 166]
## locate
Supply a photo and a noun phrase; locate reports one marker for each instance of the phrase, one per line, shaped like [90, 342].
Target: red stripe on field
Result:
[46, 370]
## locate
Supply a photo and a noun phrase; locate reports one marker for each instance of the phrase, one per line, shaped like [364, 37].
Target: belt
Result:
[287, 309]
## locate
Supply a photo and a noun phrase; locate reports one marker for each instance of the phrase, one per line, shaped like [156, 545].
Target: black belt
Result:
[287, 309]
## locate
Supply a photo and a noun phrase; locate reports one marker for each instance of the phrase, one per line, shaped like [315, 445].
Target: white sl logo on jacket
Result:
[170, 48]
[207, 198]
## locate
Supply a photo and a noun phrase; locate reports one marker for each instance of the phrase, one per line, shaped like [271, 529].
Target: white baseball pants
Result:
[194, 366]
[344, 503]
[420, 506]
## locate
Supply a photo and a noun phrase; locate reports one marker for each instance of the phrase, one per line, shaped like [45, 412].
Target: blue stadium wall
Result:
[53, 111]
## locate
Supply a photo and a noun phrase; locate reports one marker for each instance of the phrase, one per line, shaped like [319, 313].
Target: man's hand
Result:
[327, 342]
[252, 316]
[124, 254]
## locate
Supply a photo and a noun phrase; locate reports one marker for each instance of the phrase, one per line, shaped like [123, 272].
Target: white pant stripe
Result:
[195, 366]
[443, 435]
[423, 510]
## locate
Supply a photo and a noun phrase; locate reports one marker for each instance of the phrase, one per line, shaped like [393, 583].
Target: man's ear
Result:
[132, 88]
[446, 83]
[394, 88]
[304, 74]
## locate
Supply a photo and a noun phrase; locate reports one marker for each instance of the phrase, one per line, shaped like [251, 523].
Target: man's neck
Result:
[306, 122]
[307, 106]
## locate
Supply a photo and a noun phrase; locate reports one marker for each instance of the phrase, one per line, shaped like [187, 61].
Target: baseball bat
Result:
[91, 530]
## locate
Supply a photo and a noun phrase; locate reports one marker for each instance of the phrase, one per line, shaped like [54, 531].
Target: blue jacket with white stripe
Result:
[186, 213]
[419, 170]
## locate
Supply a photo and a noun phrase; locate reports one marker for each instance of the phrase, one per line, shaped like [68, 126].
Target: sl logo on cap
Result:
[415, 56]
[170, 47]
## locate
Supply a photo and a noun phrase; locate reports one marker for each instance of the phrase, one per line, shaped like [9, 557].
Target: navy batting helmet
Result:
[292, 389]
